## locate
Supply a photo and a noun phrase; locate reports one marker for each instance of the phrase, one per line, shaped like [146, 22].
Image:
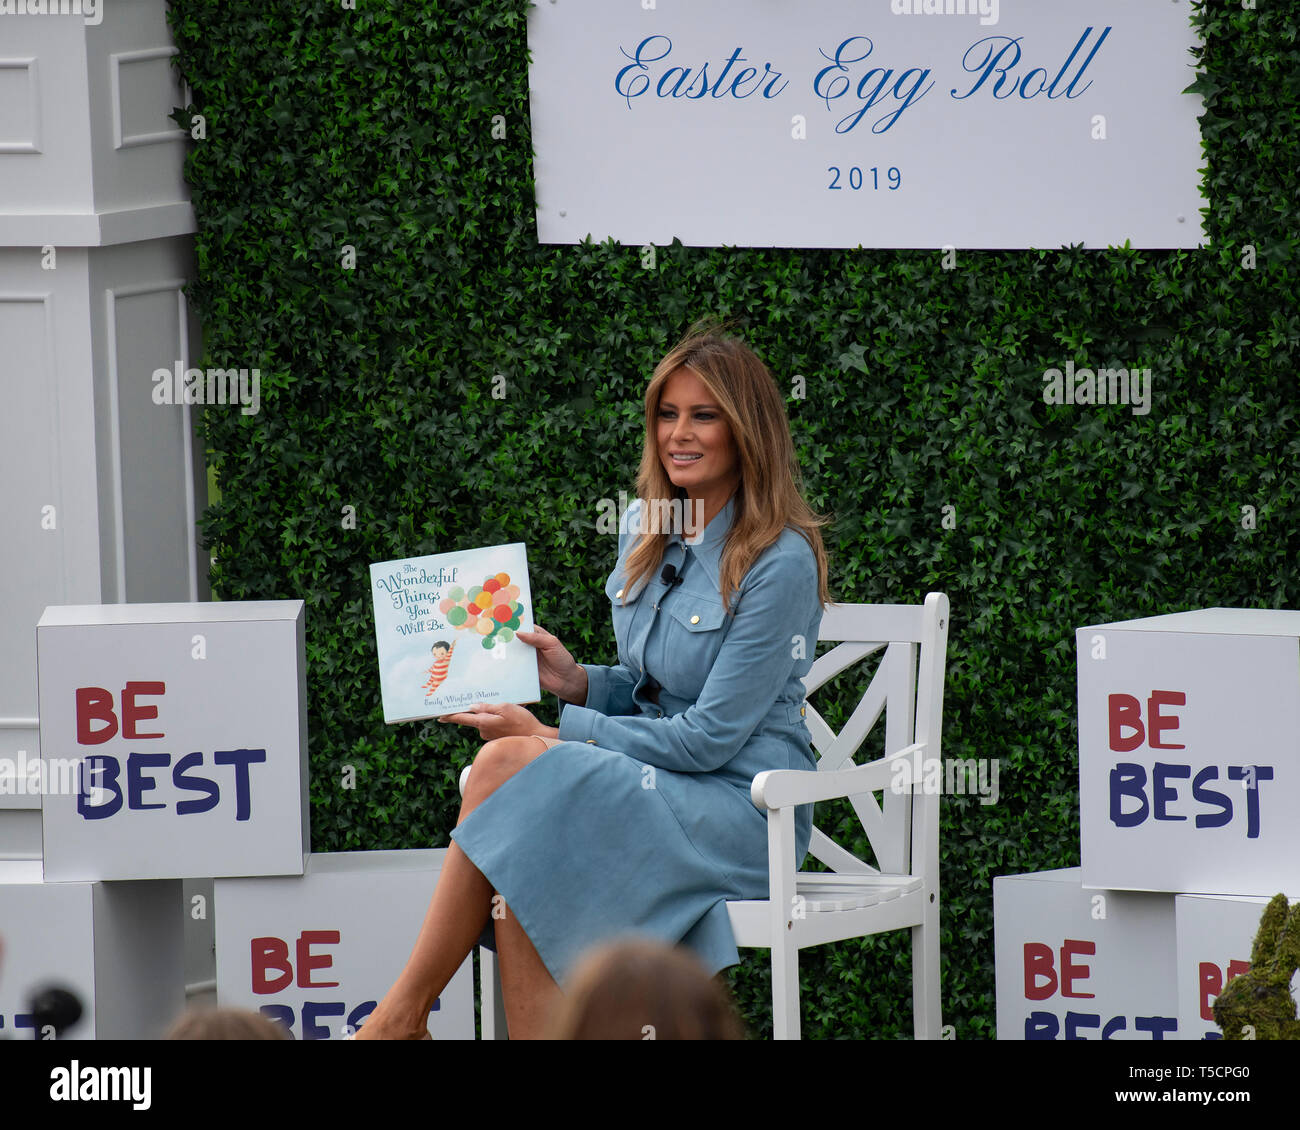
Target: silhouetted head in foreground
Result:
[643, 990]
[225, 1024]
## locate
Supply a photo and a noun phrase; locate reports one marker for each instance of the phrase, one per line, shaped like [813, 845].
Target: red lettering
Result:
[1069, 971]
[95, 704]
[1156, 722]
[1125, 710]
[1212, 982]
[307, 961]
[271, 953]
[1038, 963]
[131, 714]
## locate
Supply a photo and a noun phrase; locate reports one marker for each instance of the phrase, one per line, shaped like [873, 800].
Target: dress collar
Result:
[707, 548]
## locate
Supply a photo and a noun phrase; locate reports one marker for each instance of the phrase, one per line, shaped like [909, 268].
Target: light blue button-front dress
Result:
[639, 821]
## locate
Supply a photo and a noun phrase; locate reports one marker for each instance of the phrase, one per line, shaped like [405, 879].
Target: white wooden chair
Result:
[854, 899]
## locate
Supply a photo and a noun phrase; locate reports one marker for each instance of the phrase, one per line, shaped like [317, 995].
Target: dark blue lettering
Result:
[1156, 1025]
[1042, 82]
[989, 64]
[1211, 796]
[104, 769]
[746, 74]
[194, 784]
[312, 1010]
[767, 90]
[682, 71]
[631, 89]
[281, 1014]
[1066, 65]
[1102, 39]
[1076, 1020]
[1127, 779]
[836, 86]
[717, 86]
[1161, 794]
[358, 1014]
[1041, 1026]
[137, 783]
[840, 83]
[240, 759]
[1252, 775]
[700, 86]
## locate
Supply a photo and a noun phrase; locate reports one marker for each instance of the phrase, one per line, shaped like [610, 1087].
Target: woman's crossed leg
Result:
[458, 911]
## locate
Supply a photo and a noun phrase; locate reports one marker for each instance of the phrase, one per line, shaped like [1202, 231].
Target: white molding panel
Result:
[121, 61]
[7, 103]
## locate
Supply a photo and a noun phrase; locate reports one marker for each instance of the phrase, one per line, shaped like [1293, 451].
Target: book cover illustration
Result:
[445, 629]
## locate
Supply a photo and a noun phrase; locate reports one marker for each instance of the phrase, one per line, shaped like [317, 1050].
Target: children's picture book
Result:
[445, 627]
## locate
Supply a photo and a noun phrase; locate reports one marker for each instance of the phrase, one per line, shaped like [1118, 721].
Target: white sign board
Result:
[317, 952]
[173, 740]
[1076, 964]
[866, 122]
[1189, 752]
[118, 948]
[1215, 938]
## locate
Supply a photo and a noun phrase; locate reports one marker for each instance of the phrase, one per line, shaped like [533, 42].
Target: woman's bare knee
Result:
[498, 761]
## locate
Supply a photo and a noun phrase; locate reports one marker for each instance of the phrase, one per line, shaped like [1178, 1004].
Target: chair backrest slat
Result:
[900, 730]
[902, 623]
[826, 667]
[908, 688]
[855, 730]
[836, 858]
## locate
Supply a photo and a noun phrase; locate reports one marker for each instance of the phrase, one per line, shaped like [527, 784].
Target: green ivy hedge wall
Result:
[464, 385]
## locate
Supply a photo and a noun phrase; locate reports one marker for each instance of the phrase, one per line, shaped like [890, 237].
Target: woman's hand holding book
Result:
[557, 670]
[500, 720]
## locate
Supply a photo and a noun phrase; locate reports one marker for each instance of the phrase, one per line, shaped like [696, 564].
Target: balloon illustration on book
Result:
[491, 610]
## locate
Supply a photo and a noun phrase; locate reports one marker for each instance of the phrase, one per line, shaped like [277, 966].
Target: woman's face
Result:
[695, 443]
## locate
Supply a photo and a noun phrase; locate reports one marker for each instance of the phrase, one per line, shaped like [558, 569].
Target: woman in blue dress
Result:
[634, 815]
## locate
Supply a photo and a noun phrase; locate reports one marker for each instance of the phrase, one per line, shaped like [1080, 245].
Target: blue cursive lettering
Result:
[833, 82]
[1001, 53]
[635, 79]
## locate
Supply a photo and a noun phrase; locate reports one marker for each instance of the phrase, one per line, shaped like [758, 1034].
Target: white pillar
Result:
[91, 170]
[99, 487]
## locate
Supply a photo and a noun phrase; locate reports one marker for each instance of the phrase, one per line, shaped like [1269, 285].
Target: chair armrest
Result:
[783, 788]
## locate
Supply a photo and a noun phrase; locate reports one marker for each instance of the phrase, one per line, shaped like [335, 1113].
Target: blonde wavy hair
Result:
[769, 497]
